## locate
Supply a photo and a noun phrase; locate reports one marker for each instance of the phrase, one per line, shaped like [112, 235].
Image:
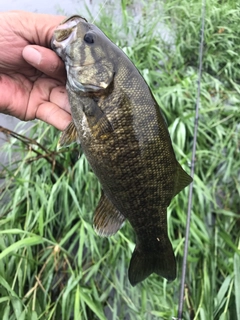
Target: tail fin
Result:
[159, 259]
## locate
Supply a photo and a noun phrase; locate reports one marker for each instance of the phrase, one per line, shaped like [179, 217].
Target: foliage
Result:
[53, 265]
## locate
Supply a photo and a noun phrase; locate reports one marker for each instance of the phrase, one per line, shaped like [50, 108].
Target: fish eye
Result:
[89, 38]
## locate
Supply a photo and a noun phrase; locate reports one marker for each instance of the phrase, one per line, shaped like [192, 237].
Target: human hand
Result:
[32, 77]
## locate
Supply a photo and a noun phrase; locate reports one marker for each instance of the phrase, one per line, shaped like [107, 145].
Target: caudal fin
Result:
[159, 259]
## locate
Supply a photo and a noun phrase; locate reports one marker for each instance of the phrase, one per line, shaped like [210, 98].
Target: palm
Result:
[25, 97]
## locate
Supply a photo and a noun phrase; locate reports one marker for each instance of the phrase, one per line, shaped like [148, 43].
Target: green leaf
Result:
[237, 283]
[34, 240]
[6, 285]
[93, 306]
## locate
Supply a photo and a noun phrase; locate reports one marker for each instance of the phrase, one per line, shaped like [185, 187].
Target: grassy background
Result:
[53, 265]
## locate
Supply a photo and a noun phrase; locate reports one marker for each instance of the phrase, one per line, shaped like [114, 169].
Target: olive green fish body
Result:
[126, 141]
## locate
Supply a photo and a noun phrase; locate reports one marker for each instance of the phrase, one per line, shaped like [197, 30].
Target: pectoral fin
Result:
[68, 136]
[97, 120]
[107, 219]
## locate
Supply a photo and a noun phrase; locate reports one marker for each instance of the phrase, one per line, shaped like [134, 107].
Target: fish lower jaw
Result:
[77, 86]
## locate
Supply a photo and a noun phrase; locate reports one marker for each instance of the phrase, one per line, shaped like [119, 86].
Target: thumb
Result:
[46, 61]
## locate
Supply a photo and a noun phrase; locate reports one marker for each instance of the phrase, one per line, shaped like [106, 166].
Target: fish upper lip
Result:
[71, 19]
[55, 44]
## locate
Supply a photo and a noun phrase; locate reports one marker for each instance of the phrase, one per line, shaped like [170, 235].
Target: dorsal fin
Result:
[107, 219]
[182, 180]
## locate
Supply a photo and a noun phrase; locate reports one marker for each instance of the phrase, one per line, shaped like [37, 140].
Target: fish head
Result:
[87, 54]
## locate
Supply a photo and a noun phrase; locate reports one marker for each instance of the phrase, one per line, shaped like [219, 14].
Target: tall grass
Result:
[53, 265]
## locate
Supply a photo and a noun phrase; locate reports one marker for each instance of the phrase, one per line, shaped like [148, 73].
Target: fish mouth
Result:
[64, 34]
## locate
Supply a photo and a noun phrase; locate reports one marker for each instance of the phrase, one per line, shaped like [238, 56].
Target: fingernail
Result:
[32, 56]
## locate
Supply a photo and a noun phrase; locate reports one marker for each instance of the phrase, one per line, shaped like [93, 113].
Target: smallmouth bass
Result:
[126, 141]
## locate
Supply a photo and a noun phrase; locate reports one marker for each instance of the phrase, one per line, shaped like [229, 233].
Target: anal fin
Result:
[107, 219]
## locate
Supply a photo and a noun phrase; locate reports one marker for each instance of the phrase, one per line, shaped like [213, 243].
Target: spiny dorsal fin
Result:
[68, 136]
[107, 219]
[182, 180]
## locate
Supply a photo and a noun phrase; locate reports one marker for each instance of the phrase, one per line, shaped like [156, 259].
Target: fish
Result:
[126, 141]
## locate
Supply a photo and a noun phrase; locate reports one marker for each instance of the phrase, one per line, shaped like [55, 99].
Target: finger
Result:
[46, 61]
[59, 97]
[52, 114]
[34, 27]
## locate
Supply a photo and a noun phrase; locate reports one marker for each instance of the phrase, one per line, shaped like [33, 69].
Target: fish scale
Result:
[126, 141]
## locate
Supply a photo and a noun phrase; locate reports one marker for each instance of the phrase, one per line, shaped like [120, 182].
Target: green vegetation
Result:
[53, 265]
